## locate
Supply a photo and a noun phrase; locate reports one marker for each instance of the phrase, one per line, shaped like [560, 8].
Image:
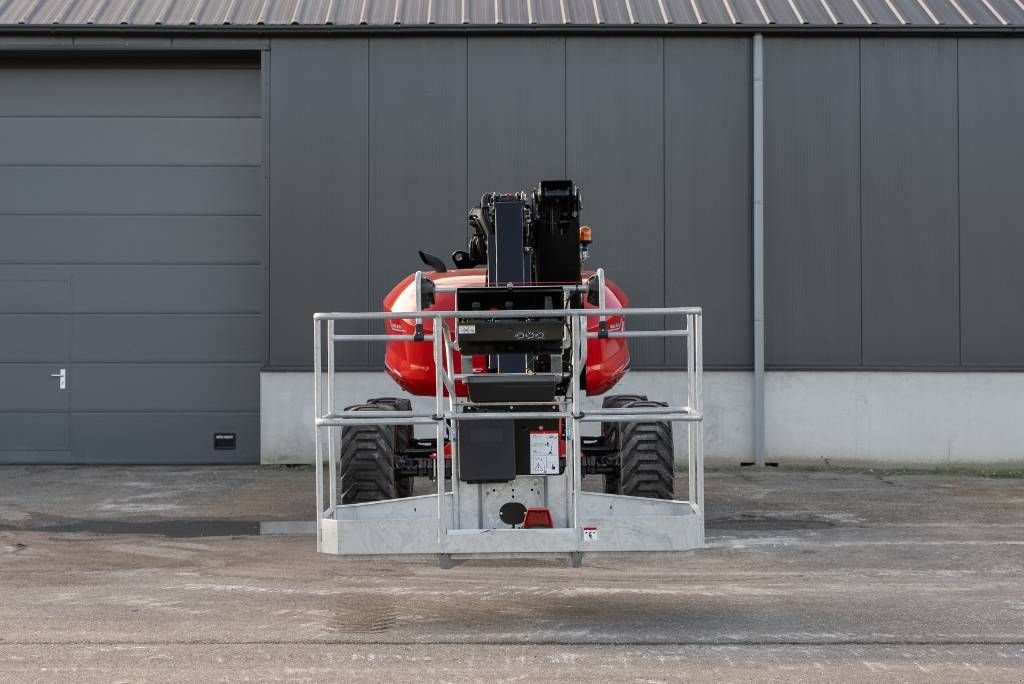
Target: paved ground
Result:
[810, 576]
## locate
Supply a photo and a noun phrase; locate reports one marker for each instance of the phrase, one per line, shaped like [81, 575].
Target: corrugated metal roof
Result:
[513, 13]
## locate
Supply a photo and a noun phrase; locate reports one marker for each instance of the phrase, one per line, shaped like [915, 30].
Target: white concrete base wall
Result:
[895, 418]
[286, 409]
[813, 416]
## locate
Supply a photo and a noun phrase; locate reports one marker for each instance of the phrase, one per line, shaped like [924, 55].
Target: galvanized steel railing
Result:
[447, 406]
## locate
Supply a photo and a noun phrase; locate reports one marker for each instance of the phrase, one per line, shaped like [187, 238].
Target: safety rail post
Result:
[573, 460]
[581, 337]
[418, 321]
[691, 459]
[331, 465]
[439, 417]
[317, 464]
[453, 425]
[698, 357]
[694, 433]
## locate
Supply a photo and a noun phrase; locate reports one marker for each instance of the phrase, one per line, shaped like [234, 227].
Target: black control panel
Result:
[533, 335]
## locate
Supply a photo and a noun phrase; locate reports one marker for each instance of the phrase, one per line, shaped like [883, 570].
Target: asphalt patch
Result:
[768, 523]
[174, 529]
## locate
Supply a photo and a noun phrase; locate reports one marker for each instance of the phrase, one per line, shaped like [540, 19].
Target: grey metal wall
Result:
[892, 220]
[319, 208]
[708, 221]
[909, 202]
[812, 202]
[133, 234]
[134, 198]
[379, 146]
[991, 209]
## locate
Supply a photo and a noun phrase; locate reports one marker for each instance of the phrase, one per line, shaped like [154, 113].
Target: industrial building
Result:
[184, 182]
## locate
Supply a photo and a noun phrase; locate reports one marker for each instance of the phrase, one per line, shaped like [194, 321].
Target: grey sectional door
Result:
[34, 335]
[138, 185]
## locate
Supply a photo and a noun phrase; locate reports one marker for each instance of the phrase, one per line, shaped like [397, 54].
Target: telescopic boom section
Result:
[526, 251]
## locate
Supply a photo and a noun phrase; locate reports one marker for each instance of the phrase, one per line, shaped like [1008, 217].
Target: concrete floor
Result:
[809, 576]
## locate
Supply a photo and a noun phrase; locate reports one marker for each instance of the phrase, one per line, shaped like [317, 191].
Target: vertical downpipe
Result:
[758, 197]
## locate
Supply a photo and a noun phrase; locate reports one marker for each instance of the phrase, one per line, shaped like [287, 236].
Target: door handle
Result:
[62, 378]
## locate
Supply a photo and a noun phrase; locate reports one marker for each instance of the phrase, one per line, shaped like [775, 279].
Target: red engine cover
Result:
[411, 364]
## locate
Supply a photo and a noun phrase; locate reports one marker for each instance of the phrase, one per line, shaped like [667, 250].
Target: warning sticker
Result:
[467, 329]
[589, 534]
[543, 453]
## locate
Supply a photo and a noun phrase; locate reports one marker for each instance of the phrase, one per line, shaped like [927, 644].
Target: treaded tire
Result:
[610, 431]
[367, 471]
[620, 400]
[403, 438]
[646, 457]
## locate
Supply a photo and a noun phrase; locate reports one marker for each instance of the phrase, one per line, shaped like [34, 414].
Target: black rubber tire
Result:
[610, 432]
[620, 400]
[646, 457]
[403, 438]
[367, 471]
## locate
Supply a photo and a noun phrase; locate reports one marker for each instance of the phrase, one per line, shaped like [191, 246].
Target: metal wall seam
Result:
[193, 16]
[796, 11]
[102, 5]
[996, 14]
[665, 16]
[229, 13]
[63, 13]
[261, 18]
[697, 12]
[629, 12]
[162, 14]
[863, 12]
[965, 15]
[764, 12]
[56, 13]
[728, 10]
[29, 12]
[129, 12]
[928, 11]
[896, 12]
[831, 14]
